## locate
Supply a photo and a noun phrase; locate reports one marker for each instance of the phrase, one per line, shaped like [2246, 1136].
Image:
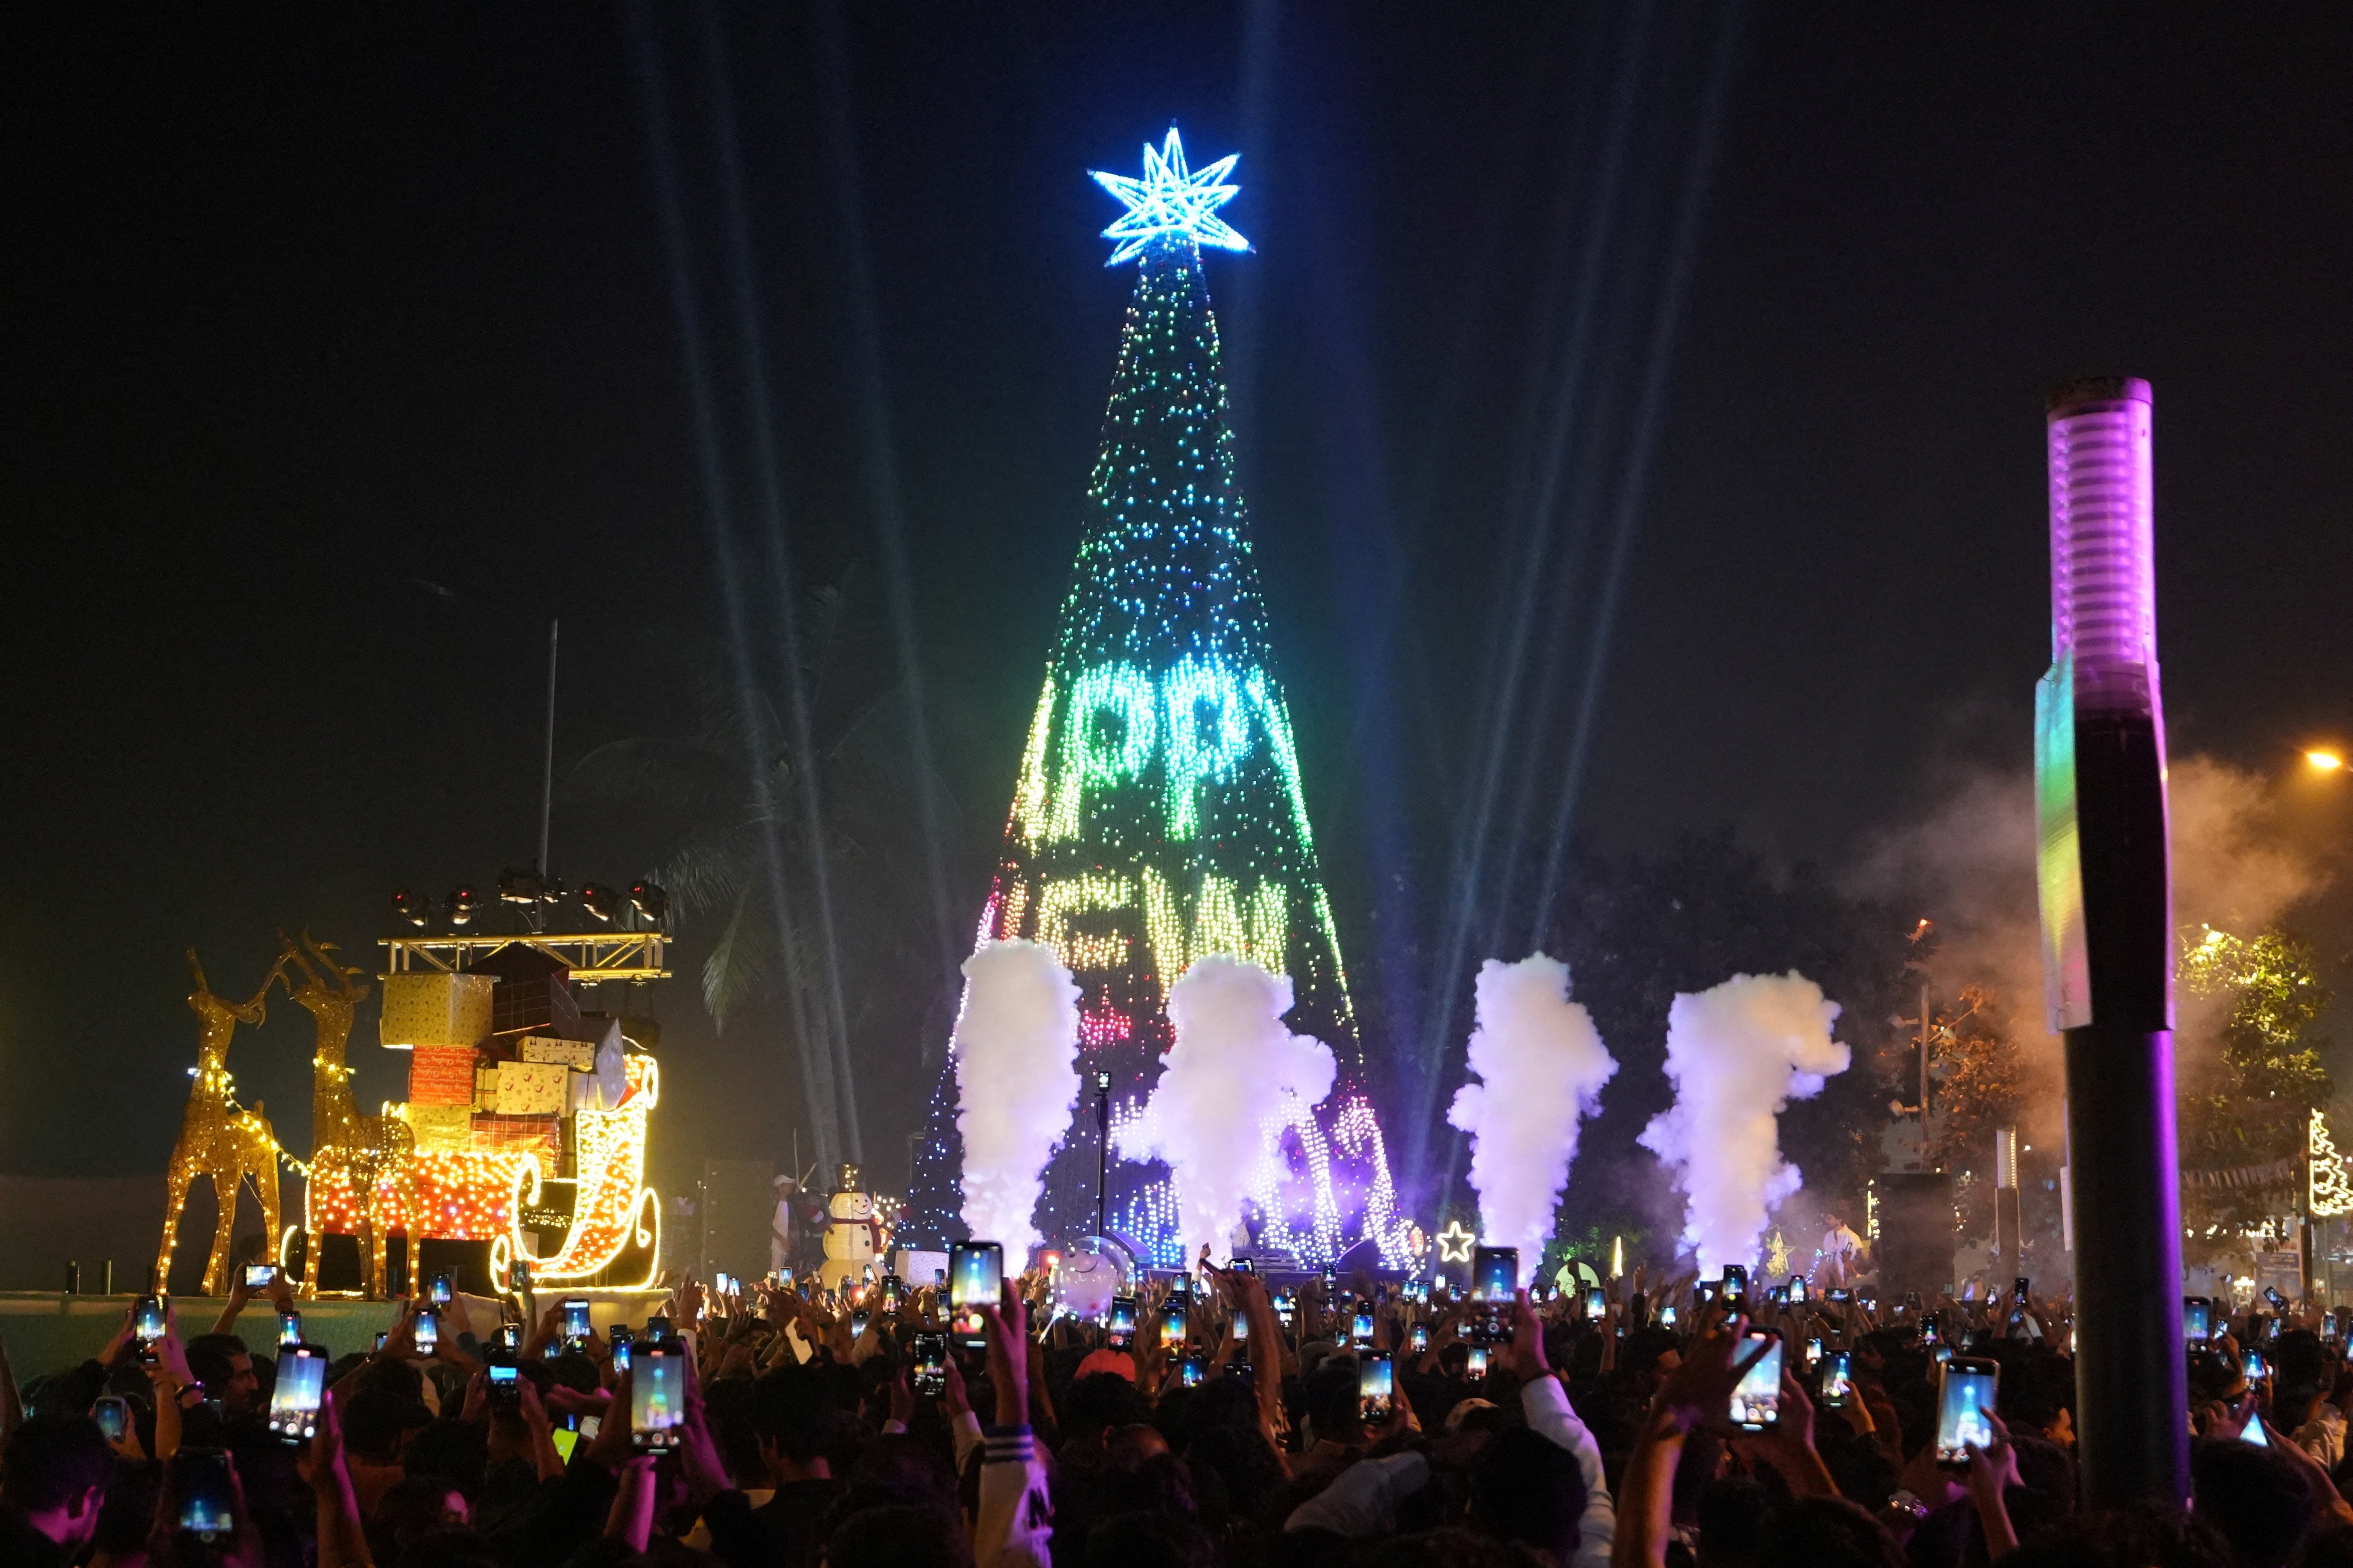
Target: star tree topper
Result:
[1171, 199]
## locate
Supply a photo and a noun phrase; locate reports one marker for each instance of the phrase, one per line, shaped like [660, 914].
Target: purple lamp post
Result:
[2107, 931]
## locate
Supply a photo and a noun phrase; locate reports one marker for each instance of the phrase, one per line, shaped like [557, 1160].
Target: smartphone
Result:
[657, 1328]
[858, 1321]
[1704, 1291]
[1931, 1332]
[1838, 1379]
[2197, 1319]
[148, 1325]
[931, 1364]
[976, 1280]
[625, 1355]
[2271, 1330]
[519, 1275]
[429, 1331]
[1838, 1295]
[1941, 1354]
[1119, 1326]
[1667, 1316]
[1494, 1275]
[1239, 1372]
[1191, 1371]
[1813, 1354]
[1360, 1328]
[894, 1292]
[1798, 1289]
[721, 1283]
[1242, 1331]
[294, 1402]
[1757, 1400]
[1418, 1338]
[2328, 1325]
[1171, 1326]
[2278, 1301]
[1735, 1286]
[1594, 1304]
[1244, 1266]
[2018, 1290]
[2252, 1366]
[200, 1481]
[575, 1320]
[1477, 1365]
[658, 1395]
[1285, 1310]
[1375, 1388]
[113, 1417]
[379, 1343]
[1965, 1392]
[505, 1379]
[289, 1330]
[260, 1275]
[509, 1336]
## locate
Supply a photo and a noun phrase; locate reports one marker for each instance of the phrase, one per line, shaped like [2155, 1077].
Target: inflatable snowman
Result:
[853, 1234]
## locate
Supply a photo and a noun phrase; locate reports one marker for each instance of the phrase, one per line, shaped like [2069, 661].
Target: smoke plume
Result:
[1737, 1054]
[1232, 1078]
[1017, 1051]
[1539, 1065]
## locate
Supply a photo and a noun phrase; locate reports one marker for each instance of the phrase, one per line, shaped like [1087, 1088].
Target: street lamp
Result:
[2321, 760]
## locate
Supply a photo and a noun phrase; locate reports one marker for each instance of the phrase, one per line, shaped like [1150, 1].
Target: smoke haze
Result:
[1737, 1054]
[1537, 1066]
[1016, 1052]
[1230, 1080]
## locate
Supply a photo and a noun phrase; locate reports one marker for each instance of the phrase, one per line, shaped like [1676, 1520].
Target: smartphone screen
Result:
[2252, 1366]
[1477, 1365]
[1931, 1332]
[1796, 1287]
[1594, 1305]
[1191, 1371]
[295, 1403]
[657, 1328]
[438, 1291]
[1757, 1401]
[2252, 1432]
[2328, 1325]
[1736, 1286]
[2197, 1319]
[1495, 1274]
[1420, 1338]
[1172, 1327]
[510, 1336]
[2018, 1290]
[1242, 1331]
[658, 1395]
[506, 1381]
[147, 1319]
[1838, 1378]
[1667, 1316]
[200, 1481]
[1360, 1328]
[1119, 1329]
[289, 1330]
[625, 1355]
[259, 1276]
[575, 1320]
[1964, 1401]
[1376, 1387]
[1813, 1354]
[113, 1417]
[1244, 1266]
[1837, 1297]
[1941, 1354]
[931, 1364]
[518, 1275]
[976, 1280]
[429, 1331]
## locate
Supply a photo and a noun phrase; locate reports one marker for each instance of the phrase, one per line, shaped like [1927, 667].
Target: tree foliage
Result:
[2250, 1075]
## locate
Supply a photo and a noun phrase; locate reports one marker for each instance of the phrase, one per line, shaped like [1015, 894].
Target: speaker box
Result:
[1914, 1249]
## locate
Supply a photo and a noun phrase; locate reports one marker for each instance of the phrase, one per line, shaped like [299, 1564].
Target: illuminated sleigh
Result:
[612, 1210]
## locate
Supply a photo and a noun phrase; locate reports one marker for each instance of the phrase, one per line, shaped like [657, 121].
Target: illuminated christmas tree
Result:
[1159, 815]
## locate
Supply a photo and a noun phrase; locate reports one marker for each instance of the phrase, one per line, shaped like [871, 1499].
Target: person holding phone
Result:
[1544, 1402]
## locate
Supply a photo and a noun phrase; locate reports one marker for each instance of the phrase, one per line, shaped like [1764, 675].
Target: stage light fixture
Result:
[649, 900]
[462, 905]
[412, 908]
[522, 886]
[600, 901]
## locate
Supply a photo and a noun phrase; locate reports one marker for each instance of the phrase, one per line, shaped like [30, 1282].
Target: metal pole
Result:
[547, 764]
[2106, 899]
[1102, 1148]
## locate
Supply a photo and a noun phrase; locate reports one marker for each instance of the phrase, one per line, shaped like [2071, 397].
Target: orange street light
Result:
[2323, 760]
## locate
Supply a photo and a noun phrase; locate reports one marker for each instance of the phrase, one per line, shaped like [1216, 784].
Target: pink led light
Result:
[1105, 1028]
[2103, 568]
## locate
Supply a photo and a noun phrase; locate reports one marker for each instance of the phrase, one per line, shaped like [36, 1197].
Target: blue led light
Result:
[1170, 199]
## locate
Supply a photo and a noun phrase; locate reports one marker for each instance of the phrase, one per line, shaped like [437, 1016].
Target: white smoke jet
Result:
[1540, 1064]
[1016, 1052]
[1738, 1054]
[1233, 1075]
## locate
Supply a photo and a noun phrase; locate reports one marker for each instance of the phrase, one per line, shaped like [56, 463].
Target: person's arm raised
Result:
[1697, 1395]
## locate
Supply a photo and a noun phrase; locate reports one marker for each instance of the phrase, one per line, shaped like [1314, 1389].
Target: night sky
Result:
[343, 350]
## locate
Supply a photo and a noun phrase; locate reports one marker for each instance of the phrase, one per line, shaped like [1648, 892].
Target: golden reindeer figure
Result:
[218, 1138]
[370, 1157]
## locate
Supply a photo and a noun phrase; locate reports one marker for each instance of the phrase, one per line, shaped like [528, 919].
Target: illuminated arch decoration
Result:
[1159, 814]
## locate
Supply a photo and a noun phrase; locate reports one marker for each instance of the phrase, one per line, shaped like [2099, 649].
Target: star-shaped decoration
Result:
[1454, 1243]
[1171, 199]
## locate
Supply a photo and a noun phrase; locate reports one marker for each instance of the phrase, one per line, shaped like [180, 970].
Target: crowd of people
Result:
[824, 1430]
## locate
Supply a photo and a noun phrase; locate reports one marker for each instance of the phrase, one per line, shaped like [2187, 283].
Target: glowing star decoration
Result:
[1171, 200]
[1454, 1243]
[2331, 1192]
